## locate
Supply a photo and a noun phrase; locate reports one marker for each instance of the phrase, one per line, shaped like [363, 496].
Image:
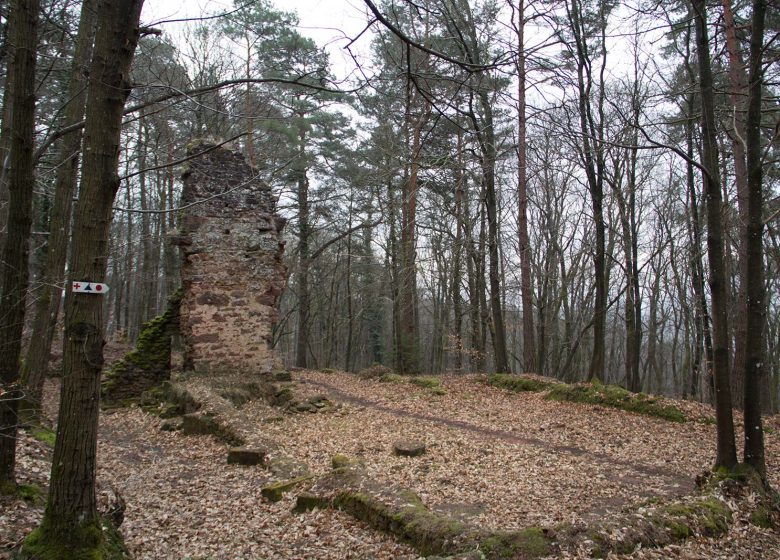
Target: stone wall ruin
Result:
[232, 271]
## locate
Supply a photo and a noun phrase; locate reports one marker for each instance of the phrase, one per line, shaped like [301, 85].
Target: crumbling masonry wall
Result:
[232, 271]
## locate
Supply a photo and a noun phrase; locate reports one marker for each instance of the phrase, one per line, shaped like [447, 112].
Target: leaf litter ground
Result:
[497, 459]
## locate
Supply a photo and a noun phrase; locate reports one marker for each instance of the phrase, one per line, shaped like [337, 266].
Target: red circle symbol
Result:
[99, 287]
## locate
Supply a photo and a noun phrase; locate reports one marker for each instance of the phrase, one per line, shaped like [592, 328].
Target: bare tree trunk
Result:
[726, 446]
[457, 252]
[304, 234]
[738, 94]
[409, 351]
[21, 181]
[70, 520]
[755, 363]
[47, 306]
[526, 287]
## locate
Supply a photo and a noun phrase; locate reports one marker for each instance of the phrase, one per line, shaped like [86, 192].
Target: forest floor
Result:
[497, 459]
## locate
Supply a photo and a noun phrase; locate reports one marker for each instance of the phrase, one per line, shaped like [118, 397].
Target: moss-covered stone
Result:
[529, 543]
[281, 375]
[709, 515]
[91, 541]
[306, 501]
[410, 520]
[339, 461]
[427, 382]
[615, 397]
[409, 448]
[276, 491]
[236, 395]
[149, 363]
[282, 396]
[206, 424]
[246, 456]
[516, 383]
[391, 378]
[375, 371]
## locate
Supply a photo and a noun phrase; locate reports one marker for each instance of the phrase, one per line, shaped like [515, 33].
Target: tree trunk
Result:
[755, 368]
[526, 287]
[409, 351]
[726, 446]
[70, 519]
[738, 95]
[21, 181]
[457, 252]
[304, 233]
[47, 306]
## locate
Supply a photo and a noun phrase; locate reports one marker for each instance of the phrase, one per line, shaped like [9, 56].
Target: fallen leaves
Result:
[503, 460]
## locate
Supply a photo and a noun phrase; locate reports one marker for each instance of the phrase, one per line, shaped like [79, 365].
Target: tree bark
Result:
[526, 286]
[726, 446]
[738, 94]
[21, 181]
[304, 233]
[47, 306]
[71, 518]
[755, 368]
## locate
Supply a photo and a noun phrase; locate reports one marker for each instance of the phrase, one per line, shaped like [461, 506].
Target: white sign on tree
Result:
[83, 287]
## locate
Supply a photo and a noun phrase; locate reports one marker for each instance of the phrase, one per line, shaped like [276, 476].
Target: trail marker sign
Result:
[84, 287]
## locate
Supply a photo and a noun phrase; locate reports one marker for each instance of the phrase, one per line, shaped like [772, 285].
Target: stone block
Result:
[409, 448]
[246, 456]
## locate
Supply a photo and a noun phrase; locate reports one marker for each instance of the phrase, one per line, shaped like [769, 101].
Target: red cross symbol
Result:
[76, 286]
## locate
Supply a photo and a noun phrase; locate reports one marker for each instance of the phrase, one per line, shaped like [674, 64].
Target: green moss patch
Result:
[375, 371]
[410, 520]
[427, 382]
[532, 542]
[91, 541]
[516, 383]
[206, 424]
[615, 397]
[30, 493]
[44, 435]
[275, 492]
[391, 378]
[149, 363]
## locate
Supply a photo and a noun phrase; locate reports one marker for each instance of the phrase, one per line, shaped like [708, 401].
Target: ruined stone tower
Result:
[232, 271]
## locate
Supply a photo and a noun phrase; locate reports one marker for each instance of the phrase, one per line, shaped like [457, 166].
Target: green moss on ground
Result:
[427, 382]
[712, 515]
[375, 371]
[30, 493]
[516, 383]
[391, 378]
[528, 543]
[44, 435]
[615, 397]
[413, 522]
[761, 517]
[340, 461]
[91, 541]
